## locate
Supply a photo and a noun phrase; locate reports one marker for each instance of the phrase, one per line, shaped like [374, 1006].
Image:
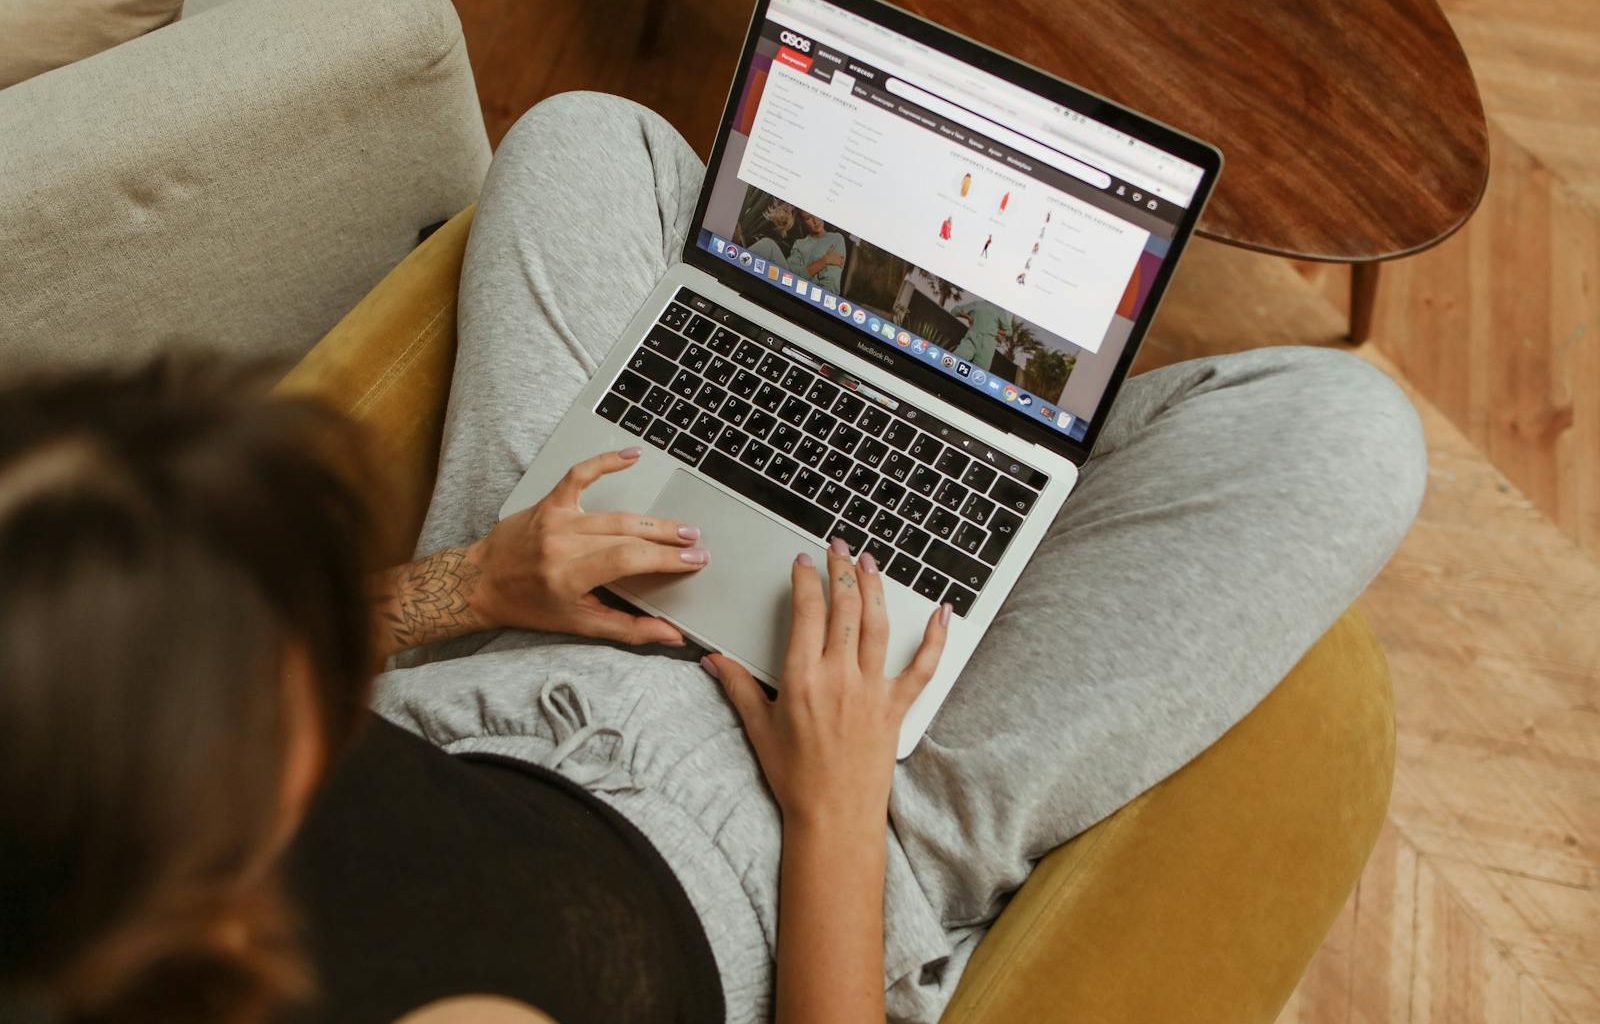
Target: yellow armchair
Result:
[1200, 902]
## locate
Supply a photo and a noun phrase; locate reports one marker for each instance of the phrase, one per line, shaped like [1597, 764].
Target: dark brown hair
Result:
[167, 533]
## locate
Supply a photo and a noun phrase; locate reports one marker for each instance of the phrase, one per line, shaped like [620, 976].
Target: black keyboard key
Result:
[772, 368]
[978, 508]
[783, 469]
[735, 411]
[681, 415]
[959, 599]
[696, 359]
[744, 384]
[630, 386]
[821, 394]
[834, 497]
[675, 316]
[665, 342]
[912, 540]
[845, 438]
[885, 525]
[808, 483]
[853, 536]
[888, 493]
[861, 480]
[611, 407]
[636, 420]
[748, 354]
[873, 420]
[978, 477]
[860, 511]
[685, 384]
[970, 538]
[810, 451]
[653, 365]
[903, 569]
[760, 424]
[785, 438]
[710, 397]
[1002, 529]
[793, 410]
[798, 381]
[730, 441]
[916, 508]
[699, 328]
[769, 397]
[706, 427]
[723, 341]
[756, 454]
[898, 466]
[924, 448]
[819, 424]
[872, 452]
[658, 401]
[950, 494]
[836, 466]
[1013, 495]
[931, 584]
[899, 434]
[687, 447]
[924, 481]
[720, 371]
[881, 552]
[942, 523]
[965, 571]
[847, 407]
[808, 517]
[951, 463]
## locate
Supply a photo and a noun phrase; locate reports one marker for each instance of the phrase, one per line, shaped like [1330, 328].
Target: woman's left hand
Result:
[540, 567]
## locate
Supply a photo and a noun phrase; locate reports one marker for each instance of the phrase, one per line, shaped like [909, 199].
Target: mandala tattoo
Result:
[431, 599]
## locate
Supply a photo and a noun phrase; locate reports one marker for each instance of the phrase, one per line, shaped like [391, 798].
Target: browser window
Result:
[1006, 240]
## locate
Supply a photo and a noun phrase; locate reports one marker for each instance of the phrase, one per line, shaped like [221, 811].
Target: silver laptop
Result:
[917, 275]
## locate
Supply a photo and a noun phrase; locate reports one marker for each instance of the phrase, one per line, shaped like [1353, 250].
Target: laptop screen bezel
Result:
[906, 365]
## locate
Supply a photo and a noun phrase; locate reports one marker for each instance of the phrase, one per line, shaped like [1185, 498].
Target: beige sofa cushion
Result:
[38, 35]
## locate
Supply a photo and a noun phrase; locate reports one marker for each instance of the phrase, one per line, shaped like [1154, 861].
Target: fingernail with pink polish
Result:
[689, 532]
[804, 559]
[839, 547]
[710, 667]
[944, 615]
[695, 556]
[631, 452]
[868, 563]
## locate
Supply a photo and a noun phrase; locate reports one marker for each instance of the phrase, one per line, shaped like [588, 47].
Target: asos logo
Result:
[790, 39]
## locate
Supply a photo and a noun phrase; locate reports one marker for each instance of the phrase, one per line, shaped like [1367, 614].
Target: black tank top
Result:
[420, 876]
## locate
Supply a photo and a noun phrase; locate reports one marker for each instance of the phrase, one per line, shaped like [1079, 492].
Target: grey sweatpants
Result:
[1233, 508]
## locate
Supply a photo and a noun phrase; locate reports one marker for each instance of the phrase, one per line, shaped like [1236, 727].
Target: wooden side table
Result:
[1352, 129]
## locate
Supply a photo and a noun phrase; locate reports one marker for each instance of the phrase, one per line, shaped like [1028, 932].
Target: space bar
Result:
[770, 496]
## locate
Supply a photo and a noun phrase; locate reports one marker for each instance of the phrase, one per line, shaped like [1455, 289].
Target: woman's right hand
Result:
[827, 744]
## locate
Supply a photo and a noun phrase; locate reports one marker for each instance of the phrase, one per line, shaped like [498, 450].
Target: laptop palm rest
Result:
[739, 604]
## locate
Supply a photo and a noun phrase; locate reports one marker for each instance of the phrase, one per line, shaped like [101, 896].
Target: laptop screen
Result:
[1007, 241]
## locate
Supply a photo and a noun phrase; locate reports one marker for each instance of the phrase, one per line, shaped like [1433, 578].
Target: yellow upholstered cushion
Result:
[40, 35]
[1201, 902]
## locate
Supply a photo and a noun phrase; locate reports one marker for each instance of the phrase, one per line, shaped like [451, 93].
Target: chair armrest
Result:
[388, 364]
[1204, 899]
[237, 180]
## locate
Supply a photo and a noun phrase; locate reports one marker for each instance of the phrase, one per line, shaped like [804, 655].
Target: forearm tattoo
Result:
[428, 600]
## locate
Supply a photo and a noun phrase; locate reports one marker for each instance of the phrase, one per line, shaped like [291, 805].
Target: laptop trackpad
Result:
[739, 604]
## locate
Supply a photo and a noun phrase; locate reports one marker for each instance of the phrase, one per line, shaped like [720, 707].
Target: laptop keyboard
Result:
[764, 418]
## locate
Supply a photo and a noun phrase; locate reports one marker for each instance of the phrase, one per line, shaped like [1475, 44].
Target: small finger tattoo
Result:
[846, 580]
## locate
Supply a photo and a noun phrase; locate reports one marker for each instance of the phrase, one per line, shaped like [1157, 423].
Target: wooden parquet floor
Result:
[1482, 900]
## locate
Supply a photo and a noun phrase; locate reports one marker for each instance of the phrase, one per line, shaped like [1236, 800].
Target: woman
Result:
[603, 837]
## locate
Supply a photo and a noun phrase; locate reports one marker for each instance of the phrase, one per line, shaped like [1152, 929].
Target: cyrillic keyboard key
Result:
[853, 536]
[793, 410]
[744, 383]
[748, 354]
[685, 384]
[720, 372]
[845, 438]
[898, 466]
[942, 523]
[681, 415]
[978, 508]
[888, 493]
[783, 469]
[872, 452]
[950, 494]
[885, 525]
[836, 466]
[730, 441]
[735, 411]
[706, 428]
[912, 540]
[859, 511]
[696, 358]
[833, 497]
[880, 551]
[923, 480]
[861, 479]
[760, 424]
[709, 397]
[778, 500]
[970, 538]
[756, 454]
[916, 508]
[769, 397]
[808, 483]
[819, 424]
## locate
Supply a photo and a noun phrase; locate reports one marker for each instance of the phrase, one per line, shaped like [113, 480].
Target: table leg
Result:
[1363, 296]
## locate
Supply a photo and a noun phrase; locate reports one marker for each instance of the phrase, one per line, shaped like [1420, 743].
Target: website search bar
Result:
[1022, 144]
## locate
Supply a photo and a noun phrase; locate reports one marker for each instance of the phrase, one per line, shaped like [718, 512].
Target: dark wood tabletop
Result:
[1351, 129]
